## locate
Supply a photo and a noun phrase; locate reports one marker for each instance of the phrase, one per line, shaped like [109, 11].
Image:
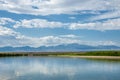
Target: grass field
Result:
[90, 53]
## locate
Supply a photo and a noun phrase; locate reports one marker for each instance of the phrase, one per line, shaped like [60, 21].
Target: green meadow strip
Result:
[90, 53]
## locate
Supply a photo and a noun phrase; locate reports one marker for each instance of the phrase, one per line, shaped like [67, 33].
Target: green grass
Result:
[103, 53]
[93, 53]
[90, 53]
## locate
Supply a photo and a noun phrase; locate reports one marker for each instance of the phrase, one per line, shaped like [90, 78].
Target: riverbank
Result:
[89, 54]
[93, 57]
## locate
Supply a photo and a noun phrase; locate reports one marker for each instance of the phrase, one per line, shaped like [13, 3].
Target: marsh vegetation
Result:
[89, 53]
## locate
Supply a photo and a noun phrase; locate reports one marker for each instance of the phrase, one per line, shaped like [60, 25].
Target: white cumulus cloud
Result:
[6, 31]
[10, 37]
[4, 21]
[47, 7]
[112, 24]
[37, 23]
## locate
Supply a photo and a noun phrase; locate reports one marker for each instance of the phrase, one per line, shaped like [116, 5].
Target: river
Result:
[57, 68]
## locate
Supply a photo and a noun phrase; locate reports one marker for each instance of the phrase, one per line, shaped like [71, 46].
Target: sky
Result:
[38, 23]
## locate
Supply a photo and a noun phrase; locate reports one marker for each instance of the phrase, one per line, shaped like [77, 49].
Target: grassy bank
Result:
[98, 53]
[90, 53]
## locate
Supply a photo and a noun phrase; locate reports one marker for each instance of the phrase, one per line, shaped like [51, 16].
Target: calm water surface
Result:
[51, 68]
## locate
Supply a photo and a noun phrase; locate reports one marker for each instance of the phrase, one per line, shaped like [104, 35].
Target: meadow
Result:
[88, 53]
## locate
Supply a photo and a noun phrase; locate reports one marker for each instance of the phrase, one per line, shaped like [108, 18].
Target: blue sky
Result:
[38, 23]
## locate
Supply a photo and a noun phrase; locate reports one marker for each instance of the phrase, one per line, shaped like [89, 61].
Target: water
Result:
[51, 68]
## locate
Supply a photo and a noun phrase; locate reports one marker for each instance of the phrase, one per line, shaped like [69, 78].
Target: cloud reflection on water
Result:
[52, 67]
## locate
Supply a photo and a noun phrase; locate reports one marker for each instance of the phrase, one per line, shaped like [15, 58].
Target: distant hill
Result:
[69, 47]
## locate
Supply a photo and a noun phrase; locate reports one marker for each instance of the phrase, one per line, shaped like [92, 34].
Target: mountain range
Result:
[68, 47]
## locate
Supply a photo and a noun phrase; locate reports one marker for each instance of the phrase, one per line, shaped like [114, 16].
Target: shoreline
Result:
[90, 54]
[92, 57]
